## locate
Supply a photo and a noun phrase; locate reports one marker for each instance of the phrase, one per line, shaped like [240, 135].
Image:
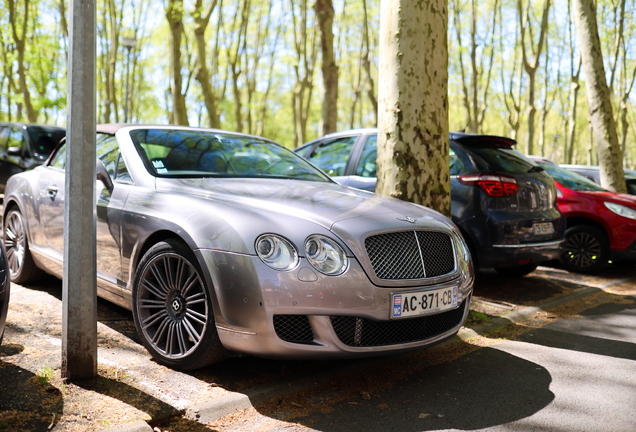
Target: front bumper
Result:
[248, 295]
[627, 255]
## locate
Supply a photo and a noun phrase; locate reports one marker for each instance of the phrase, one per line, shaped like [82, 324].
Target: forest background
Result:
[257, 66]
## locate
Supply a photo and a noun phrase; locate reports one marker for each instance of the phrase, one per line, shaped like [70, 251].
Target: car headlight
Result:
[325, 255]
[276, 252]
[621, 210]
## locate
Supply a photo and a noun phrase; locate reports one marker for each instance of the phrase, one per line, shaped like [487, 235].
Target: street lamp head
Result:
[129, 43]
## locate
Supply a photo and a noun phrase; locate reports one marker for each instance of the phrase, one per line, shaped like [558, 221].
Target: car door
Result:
[109, 210]
[109, 206]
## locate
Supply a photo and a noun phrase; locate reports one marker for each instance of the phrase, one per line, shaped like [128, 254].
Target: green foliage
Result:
[45, 375]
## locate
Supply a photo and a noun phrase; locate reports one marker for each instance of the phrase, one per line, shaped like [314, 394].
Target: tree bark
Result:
[598, 97]
[325, 13]
[366, 62]
[174, 15]
[413, 160]
[305, 45]
[20, 47]
[201, 21]
[532, 66]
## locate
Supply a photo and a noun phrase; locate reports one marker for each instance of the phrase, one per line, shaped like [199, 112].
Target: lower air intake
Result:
[364, 332]
[294, 328]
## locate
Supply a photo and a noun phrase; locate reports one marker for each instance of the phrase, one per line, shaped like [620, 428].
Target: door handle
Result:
[51, 191]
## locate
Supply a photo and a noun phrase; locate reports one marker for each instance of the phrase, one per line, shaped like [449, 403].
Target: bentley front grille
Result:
[411, 254]
[364, 332]
[294, 328]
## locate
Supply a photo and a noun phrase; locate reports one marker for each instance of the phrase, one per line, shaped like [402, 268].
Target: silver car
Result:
[221, 243]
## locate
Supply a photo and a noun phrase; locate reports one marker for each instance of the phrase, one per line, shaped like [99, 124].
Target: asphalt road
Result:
[576, 374]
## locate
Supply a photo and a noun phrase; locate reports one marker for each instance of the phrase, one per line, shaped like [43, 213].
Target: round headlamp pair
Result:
[323, 253]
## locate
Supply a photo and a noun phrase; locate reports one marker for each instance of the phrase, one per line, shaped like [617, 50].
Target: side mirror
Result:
[103, 176]
[14, 151]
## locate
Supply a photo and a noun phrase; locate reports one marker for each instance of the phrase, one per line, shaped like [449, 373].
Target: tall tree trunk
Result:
[115, 25]
[366, 62]
[306, 52]
[174, 15]
[575, 86]
[598, 97]
[325, 13]
[20, 48]
[201, 21]
[413, 161]
[531, 67]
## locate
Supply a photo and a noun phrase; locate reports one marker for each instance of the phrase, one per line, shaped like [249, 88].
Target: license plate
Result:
[543, 228]
[423, 302]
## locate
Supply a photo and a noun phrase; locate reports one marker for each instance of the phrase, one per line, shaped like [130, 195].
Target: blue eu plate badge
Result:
[397, 305]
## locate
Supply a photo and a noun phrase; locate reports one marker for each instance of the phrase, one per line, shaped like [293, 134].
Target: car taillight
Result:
[495, 185]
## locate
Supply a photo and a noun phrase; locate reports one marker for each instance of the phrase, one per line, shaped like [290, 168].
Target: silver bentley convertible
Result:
[222, 243]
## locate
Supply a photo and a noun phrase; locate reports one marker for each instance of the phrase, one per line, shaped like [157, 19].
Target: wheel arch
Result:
[577, 220]
[144, 245]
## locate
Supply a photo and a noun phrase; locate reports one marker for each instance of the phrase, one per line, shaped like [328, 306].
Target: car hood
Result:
[321, 203]
[619, 198]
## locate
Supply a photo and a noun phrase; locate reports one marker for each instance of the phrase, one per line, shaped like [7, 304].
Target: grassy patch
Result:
[45, 376]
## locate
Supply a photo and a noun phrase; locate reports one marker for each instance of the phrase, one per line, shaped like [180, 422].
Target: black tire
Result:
[172, 308]
[586, 249]
[517, 271]
[22, 268]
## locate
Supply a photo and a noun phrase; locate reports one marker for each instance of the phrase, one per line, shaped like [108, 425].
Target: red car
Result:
[601, 224]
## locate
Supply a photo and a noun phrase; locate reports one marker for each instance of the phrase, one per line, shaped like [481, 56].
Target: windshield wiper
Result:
[536, 168]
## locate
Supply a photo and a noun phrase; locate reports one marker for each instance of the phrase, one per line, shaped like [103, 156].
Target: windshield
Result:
[569, 179]
[45, 139]
[190, 153]
[502, 160]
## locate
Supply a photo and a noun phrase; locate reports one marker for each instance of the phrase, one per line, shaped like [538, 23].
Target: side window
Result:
[458, 163]
[107, 151]
[16, 139]
[367, 163]
[59, 158]
[332, 156]
[122, 170]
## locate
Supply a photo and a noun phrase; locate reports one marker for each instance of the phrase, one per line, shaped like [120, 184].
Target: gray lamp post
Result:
[128, 43]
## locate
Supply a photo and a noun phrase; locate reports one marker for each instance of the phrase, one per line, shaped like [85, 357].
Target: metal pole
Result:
[79, 295]
[127, 94]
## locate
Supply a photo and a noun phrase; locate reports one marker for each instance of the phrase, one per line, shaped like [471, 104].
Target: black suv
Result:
[504, 204]
[25, 146]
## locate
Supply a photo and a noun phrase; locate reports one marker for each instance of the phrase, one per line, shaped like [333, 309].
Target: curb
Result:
[225, 405]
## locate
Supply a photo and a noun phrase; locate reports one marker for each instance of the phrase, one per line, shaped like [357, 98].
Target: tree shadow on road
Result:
[26, 403]
[484, 388]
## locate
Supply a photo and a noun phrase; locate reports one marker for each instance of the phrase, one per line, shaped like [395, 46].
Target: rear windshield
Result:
[179, 153]
[45, 139]
[500, 159]
[570, 179]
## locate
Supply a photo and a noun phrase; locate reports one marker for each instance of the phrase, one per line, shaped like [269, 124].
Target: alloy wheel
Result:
[15, 242]
[582, 250]
[172, 305]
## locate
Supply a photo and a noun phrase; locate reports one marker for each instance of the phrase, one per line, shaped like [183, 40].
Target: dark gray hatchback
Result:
[504, 204]
[25, 146]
